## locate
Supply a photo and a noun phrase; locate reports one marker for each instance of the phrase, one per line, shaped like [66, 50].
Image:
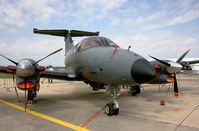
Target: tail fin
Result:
[67, 34]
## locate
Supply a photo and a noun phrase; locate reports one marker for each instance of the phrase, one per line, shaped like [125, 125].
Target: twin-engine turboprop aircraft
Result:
[95, 60]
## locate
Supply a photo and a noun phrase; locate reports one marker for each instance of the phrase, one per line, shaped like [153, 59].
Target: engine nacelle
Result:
[26, 83]
[174, 67]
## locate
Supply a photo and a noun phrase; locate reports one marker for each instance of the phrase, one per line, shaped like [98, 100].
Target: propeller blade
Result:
[176, 92]
[26, 99]
[161, 61]
[181, 57]
[48, 56]
[9, 59]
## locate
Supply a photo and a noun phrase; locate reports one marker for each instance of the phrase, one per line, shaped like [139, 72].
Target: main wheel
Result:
[109, 109]
[116, 111]
[135, 90]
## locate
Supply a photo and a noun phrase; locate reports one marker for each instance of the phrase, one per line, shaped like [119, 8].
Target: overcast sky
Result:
[162, 28]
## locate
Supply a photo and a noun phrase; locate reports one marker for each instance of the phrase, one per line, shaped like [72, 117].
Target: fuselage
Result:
[107, 63]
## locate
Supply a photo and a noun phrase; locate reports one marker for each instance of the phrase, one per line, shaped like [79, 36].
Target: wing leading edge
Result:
[7, 69]
[59, 75]
[46, 74]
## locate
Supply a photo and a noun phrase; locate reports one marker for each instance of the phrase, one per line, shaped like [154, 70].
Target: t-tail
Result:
[67, 34]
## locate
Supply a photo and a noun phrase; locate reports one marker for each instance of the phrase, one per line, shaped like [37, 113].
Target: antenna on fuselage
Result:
[67, 34]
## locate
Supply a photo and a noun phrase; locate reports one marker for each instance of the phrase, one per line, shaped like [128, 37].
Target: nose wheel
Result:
[112, 108]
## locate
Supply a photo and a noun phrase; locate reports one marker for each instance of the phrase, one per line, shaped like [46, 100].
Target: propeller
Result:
[183, 55]
[26, 68]
[47, 56]
[9, 59]
[172, 68]
[176, 92]
[161, 61]
[16, 63]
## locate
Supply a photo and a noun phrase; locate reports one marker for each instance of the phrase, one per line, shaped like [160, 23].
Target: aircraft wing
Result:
[7, 69]
[193, 62]
[46, 74]
[58, 75]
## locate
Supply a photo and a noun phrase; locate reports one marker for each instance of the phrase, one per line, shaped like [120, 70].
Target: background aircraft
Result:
[186, 65]
[95, 60]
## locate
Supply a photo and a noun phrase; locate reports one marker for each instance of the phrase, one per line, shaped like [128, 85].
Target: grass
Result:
[5, 75]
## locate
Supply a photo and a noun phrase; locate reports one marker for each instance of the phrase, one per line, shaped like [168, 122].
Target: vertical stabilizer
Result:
[68, 42]
[67, 34]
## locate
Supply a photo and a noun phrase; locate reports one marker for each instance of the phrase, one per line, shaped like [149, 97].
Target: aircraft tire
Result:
[109, 109]
[135, 90]
[116, 111]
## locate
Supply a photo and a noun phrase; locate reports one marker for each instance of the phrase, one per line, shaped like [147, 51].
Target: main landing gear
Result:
[112, 108]
[135, 90]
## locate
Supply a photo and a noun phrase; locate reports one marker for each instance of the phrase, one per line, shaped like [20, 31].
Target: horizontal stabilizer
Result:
[73, 33]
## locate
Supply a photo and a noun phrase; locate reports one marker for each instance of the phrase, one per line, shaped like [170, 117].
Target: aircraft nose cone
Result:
[142, 71]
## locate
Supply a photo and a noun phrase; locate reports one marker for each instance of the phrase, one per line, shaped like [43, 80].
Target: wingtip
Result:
[34, 30]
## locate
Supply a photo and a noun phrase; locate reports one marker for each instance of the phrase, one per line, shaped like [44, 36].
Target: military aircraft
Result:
[96, 60]
[186, 65]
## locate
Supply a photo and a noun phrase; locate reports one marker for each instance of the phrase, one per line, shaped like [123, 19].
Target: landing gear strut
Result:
[112, 108]
[134, 90]
[31, 95]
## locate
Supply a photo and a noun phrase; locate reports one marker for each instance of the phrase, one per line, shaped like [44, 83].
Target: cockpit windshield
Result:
[95, 42]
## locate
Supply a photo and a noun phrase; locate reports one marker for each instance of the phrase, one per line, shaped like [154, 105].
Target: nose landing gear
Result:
[112, 108]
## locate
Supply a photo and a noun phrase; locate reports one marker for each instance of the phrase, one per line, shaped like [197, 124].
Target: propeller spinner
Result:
[25, 68]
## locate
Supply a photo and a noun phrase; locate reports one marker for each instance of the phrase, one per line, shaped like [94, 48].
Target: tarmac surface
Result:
[65, 103]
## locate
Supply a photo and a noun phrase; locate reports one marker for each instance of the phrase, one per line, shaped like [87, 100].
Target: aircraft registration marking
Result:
[49, 118]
